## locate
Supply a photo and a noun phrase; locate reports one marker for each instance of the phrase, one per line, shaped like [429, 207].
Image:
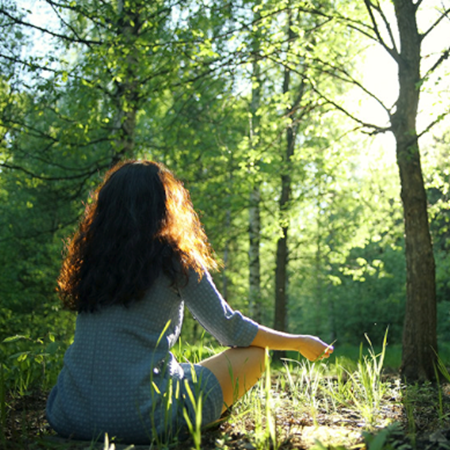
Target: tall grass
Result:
[328, 387]
[301, 393]
[368, 388]
[314, 392]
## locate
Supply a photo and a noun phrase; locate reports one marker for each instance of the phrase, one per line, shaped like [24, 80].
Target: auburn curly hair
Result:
[139, 223]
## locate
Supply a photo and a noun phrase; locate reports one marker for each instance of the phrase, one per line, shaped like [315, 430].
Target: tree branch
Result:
[351, 23]
[55, 6]
[441, 59]
[435, 24]
[417, 4]
[68, 25]
[51, 33]
[387, 25]
[51, 230]
[392, 51]
[332, 72]
[349, 79]
[376, 129]
[29, 64]
[30, 130]
[84, 170]
[45, 178]
[433, 123]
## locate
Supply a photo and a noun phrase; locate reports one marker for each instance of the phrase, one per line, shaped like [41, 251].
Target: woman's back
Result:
[109, 370]
[118, 370]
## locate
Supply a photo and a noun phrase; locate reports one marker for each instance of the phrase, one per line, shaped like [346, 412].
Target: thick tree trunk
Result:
[419, 333]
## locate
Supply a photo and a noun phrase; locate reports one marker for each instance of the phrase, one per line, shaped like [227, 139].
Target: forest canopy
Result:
[289, 122]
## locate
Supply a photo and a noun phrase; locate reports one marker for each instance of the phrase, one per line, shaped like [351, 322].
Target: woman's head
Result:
[140, 221]
[131, 199]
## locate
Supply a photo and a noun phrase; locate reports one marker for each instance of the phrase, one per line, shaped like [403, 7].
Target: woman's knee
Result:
[259, 354]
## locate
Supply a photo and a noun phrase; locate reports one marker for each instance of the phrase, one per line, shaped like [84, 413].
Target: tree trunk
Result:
[419, 333]
[126, 95]
[319, 266]
[226, 254]
[254, 301]
[254, 231]
[281, 276]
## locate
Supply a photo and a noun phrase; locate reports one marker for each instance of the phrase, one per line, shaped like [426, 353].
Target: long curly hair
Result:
[140, 221]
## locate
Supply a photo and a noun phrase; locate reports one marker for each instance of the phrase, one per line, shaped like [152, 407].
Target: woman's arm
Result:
[238, 369]
[231, 328]
[310, 347]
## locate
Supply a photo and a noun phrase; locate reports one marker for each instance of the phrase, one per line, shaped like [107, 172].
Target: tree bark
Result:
[254, 232]
[419, 332]
[254, 301]
[281, 273]
[126, 95]
[226, 254]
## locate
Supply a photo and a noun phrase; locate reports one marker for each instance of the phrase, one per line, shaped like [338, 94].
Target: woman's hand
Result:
[312, 348]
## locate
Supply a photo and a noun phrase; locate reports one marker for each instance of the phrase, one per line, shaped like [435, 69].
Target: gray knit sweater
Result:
[119, 366]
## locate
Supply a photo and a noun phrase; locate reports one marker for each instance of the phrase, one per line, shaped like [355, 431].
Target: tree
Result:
[68, 115]
[402, 40]
[304, 36]
[254, 223]
[419, 334]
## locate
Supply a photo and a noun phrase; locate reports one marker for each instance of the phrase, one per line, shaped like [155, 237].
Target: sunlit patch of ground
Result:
[329, 435]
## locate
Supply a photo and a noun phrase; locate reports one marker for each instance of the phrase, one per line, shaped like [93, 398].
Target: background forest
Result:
[277, 116]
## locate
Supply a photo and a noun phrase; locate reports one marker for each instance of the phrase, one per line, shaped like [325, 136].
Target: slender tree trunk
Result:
[280, 322]
[254, 303]
[226, 253]
[419, 333]
[281, 273]
[254, 300]
[318, 300]
[331, 317]
[126, 95]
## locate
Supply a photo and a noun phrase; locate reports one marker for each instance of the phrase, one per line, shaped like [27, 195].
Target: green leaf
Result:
[15, 338]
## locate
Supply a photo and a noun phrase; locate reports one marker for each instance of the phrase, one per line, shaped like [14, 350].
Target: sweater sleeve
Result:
[229, 327]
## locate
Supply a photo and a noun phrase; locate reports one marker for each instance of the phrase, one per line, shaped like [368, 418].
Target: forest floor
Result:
[418, 419]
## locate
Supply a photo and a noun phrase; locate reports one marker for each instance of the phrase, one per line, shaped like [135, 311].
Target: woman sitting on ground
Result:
[139, 256]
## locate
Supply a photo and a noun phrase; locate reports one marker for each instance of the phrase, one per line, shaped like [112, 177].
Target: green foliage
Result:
[30, 364]
[379, 441]
[174, 82]
[438, 178]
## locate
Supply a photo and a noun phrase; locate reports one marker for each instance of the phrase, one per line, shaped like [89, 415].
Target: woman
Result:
[139, 256]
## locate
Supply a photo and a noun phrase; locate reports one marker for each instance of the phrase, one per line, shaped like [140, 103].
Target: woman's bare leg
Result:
[237, 370]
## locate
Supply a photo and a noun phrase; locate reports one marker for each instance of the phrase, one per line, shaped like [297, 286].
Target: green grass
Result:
[324, 405]
[392, 359]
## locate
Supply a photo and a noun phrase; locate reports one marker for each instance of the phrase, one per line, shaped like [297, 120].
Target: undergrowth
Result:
[333, 404]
